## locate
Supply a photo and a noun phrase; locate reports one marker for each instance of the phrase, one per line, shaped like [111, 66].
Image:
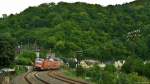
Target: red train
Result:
[46, 64]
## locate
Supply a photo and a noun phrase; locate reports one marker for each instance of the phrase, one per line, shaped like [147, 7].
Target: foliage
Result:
[107, 77]
[7, 50]
[110, 68]
[103, 32]
[26, 58]
[79, 71]
[136, 65]
[20, 69]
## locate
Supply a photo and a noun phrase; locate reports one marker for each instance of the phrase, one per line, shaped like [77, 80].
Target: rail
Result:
[36, 76]
[56, 75]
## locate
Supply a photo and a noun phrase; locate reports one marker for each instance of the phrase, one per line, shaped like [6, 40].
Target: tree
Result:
[7, 51]
[103, 31]
[133, 64]
[146, 71]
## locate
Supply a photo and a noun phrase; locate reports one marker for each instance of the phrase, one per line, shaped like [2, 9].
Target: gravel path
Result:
[19, 80]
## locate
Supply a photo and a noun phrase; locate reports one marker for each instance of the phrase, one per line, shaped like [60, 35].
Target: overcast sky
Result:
[16, 6]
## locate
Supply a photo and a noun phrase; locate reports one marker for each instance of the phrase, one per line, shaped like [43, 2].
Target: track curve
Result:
[56, 75]
[33, 78]
[49, 77]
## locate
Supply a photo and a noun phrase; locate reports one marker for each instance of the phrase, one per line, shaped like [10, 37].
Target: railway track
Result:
[33, 78]
[56, 75]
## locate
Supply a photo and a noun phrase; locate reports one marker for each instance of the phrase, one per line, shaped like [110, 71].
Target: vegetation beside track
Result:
[109, 75]
[71, 73]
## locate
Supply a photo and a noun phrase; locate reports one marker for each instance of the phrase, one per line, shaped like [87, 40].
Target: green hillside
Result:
[104, 33]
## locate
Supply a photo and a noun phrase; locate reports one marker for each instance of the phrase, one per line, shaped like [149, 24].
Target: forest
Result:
[120, 32]
[104, 33]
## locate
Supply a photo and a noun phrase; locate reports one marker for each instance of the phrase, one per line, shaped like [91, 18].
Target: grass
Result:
[71, 73]
[20, 70]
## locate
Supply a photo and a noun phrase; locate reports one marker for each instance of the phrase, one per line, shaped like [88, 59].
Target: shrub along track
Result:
[57, 75]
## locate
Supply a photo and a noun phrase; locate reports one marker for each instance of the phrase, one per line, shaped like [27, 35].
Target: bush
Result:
[26, 58]
[110, 68]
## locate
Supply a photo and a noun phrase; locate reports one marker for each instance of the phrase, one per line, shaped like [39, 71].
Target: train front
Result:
[38, 65]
